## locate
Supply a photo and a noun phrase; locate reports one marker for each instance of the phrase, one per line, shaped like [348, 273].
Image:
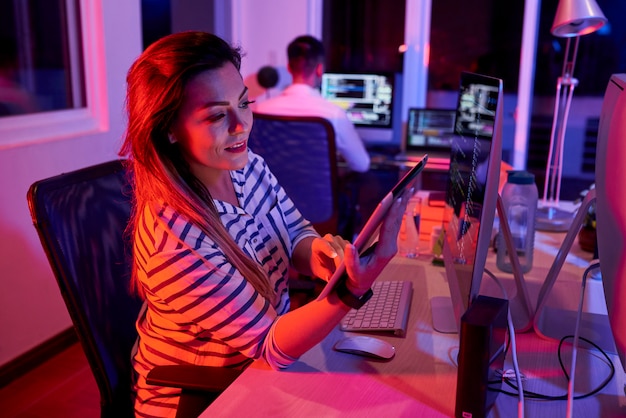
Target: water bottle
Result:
[409, 235]
[519, 198]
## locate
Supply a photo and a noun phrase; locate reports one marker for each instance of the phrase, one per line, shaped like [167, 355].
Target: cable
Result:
[570, 397]
[535, 395]
[570, 386]
[518, 375]
[608, 361]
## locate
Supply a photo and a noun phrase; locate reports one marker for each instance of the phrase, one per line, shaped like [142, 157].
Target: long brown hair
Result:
[156, 83]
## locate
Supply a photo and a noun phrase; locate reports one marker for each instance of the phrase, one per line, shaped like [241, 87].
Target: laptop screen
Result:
[429, 129]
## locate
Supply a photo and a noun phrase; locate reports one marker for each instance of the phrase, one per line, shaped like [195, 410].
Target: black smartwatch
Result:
[350, 299]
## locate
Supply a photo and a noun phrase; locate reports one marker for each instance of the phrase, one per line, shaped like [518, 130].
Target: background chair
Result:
[301, 153]
[80, 218]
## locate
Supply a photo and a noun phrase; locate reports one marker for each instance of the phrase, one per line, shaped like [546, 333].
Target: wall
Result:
[199, 17]
[31, 307]
[264, 36]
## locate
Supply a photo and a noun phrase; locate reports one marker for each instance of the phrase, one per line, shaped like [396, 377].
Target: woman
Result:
[214, 233]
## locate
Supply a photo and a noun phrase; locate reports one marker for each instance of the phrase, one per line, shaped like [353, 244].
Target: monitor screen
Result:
[430, 129]
[472, 188]
[367, 98]
[371, 103]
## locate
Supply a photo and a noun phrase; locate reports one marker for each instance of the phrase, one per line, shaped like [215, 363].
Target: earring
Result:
[171, 138]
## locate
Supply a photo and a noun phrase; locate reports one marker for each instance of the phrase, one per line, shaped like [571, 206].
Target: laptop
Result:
[365, 242]
[428, 131]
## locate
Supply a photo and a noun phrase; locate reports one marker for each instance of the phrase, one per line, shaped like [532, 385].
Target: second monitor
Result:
[430, 129]
[471, 204]
[369, 99]
[471, 195]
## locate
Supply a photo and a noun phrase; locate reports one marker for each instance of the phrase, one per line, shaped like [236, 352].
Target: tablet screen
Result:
[369, 233]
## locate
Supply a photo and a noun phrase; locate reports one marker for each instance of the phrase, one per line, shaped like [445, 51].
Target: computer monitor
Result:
[369, 100]
[471, 195]
[429, 129]
[611, 207]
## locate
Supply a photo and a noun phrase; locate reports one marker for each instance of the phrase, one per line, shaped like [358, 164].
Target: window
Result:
[600, 54]
[364, 35]
[40, 64]
[486, 36]
[52, 79]
[479, 36]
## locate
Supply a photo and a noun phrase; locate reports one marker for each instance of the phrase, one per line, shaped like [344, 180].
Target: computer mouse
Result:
[363, 345]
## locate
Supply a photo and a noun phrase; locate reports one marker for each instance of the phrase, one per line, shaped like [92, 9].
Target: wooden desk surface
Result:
[420, 381]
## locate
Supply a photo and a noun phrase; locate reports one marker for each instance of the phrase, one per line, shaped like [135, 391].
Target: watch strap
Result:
[350, 299]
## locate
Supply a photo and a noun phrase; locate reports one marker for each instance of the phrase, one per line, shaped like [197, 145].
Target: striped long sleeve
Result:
[200, 309]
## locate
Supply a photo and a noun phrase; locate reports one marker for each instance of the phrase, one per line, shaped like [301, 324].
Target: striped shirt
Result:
[199, 309]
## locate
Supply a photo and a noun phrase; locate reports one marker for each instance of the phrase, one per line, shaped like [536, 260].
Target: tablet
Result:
[369, 233]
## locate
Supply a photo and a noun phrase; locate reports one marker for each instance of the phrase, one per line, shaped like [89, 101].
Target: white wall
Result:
[264, 29]
[31, 307]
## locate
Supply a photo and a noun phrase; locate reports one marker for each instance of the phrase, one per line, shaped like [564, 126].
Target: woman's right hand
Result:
[326, 255]
[363, 272]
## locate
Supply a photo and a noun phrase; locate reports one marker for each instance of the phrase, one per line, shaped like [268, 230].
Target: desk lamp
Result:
[574, 18]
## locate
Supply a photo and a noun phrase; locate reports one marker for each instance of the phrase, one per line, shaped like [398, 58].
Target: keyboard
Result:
[386, 311]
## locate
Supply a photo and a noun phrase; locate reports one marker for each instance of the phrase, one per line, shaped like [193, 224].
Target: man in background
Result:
[305, 56]
[302, 98]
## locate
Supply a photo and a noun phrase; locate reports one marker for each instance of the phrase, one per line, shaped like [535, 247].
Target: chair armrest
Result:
[191, 377]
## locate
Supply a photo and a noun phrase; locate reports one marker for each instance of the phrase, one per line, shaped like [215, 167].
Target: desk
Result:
[420, 380]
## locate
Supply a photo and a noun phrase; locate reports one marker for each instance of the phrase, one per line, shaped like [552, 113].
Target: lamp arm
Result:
[570, 61]
[564, 94]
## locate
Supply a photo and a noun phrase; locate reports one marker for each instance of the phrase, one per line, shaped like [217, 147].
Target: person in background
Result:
[305, 55]
[213, 232]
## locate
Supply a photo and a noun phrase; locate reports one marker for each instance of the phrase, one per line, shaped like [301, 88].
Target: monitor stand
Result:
[447, 312]
[442, 311]
[552, 322]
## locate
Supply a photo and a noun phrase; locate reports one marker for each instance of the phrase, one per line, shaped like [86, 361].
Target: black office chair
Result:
[81, 219]
[300, 151]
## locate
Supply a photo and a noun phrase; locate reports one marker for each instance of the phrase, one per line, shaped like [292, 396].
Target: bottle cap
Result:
[520, 177]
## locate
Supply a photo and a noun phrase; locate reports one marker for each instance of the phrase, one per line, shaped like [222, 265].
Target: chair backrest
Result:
[80, 218]
[300, 151]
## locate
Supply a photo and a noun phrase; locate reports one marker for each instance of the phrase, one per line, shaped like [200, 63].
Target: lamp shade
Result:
[577, 18]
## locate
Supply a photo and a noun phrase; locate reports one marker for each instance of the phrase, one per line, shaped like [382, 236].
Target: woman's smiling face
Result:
[213, 123]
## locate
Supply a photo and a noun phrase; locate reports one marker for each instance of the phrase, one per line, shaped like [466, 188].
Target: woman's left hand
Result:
[326, 255]
[363, 271]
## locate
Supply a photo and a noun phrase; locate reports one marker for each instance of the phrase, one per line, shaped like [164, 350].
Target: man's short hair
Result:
[304, 53]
